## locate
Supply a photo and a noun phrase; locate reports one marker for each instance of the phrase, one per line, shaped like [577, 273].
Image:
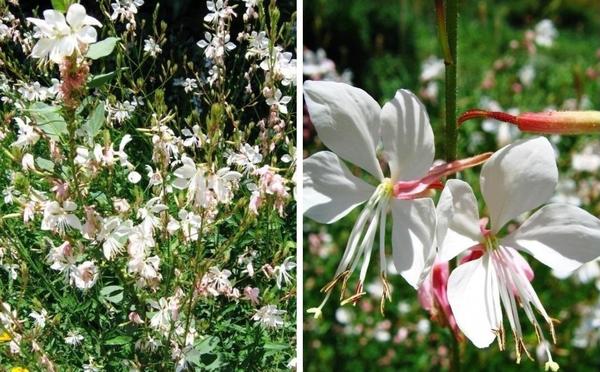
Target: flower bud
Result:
[551, 122]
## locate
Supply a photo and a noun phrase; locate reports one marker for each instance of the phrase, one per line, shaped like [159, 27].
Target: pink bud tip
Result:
[551, 122]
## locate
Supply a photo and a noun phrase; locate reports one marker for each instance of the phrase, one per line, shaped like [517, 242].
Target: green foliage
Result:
[102, 48]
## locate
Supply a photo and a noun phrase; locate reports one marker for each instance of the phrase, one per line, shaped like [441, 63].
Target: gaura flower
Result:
[517, 178]
[60, 37]
[351, 124]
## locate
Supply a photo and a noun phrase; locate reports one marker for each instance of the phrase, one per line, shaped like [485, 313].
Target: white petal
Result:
[457, 219]
[347, 121]
[475, 300]
[407, 137]
[330, 190]
[54, 18]
[75, 16]
[87, 35]
[62, 48]
[413, 236]
[518, 178]
[561, 236]
[42, 48]
[91, 21]
[134, 177]
[44, 27]
[73, 221]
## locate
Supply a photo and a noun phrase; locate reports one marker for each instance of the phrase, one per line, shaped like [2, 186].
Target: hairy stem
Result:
[450, 96]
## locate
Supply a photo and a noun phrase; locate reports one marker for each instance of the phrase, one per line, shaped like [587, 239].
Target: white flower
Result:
[215, 46]
[57, 218]
[134, 177]
[351, 124]
[247, 157]
[527, 74]
[588, 160]
[517, 178]
[114, 235]
[188, 84]
[279, 101]
[192, 178]
[27, 162]
[223, 183]
[28, 136]
[125, 9]
[545, 33]
[121, 111]
[432, 68]
[61, 258]
[151, 47]
[216, 282]
[140, 241]
[39, 318]
[194, 137]
[269, 316]
[281, 272]
[217, 10]
[60, 37]
[73, 338]
[149, 212]
[85, 275]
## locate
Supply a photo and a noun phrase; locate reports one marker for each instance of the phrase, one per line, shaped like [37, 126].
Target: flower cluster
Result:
[143, 207]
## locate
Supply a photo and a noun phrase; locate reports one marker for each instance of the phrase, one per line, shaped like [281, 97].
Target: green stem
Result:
[450, 97]
[448, 34]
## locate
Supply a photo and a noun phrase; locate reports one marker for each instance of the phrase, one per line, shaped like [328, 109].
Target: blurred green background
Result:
[384, 44]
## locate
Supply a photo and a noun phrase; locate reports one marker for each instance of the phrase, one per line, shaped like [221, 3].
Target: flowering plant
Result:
[147, 188]
[486, 280]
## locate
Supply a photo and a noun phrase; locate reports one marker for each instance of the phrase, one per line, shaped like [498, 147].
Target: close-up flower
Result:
[351, 124]
[494, 277]
[61, 35]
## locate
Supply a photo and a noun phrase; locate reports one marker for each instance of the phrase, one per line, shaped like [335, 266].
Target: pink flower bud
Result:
[552, 122]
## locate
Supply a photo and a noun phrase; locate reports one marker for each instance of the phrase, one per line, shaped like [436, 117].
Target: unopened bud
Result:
[551, 122]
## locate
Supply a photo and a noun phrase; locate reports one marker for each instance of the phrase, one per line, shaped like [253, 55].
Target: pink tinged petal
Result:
[407, 137]
[413, 235]
[560, 236]
[518, 178]
[347, 121]
[458, 220]
[330, 190]
[87, 35]
[474, 297]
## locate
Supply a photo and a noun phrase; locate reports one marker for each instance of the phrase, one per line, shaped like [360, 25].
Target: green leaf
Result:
[276, 346]
[49, 119]
[94, 122]
[102, 48]
[112, 293]
[206, 345]
[45, 164]
[97, 81]
[61, 5]
[119, 340]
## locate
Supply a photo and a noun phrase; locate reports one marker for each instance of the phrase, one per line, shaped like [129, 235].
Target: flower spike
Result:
[551, 122]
